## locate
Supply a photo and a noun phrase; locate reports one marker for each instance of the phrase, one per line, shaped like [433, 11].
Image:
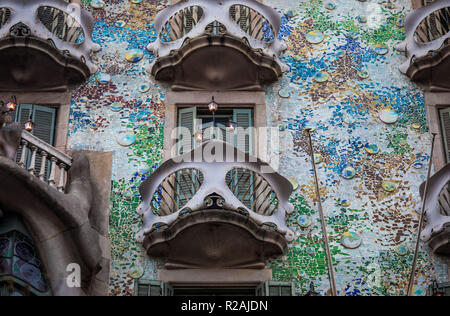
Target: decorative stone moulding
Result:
[214, 211]
[437, 212]
[202, 32]
[66, 214]
[426, 45]
[50, 35]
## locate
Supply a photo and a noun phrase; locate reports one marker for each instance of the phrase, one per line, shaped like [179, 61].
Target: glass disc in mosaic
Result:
[143, 88]
[134, 55]
[351, 240]
[361, 19]
[389, 186]
[116, 107]
[318, 158]
[402, 250]
[349, 118]
[284, 93]
[372, 149]
[381, 49]
[388, 116]
[125, 139]
[97, 4]
[294, 182]
[348, 172]
[321, 77]
[103, 79]
[304, 221]
[330, 6]
[315, 37]
[363, 73]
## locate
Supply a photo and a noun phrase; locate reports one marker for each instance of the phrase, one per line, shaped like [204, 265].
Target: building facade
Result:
[157, 147]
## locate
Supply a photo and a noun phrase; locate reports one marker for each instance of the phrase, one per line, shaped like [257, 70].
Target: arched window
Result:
[21, 269]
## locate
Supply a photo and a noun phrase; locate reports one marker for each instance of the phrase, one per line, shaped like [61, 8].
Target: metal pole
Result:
[416, 252]
[322, 220]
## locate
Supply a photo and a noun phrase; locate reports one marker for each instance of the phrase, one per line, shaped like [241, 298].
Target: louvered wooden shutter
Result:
[44, 128]
[187, 118]
[152, 288]
[22, 115]
[444, 115]
[274, 288]
[243, 118]
[244, 143]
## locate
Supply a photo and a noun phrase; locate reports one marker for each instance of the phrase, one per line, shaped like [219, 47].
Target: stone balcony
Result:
[215, 207]
[51, 37]
[437, 212]
[427, 46]
[64, 205]
[204, 44]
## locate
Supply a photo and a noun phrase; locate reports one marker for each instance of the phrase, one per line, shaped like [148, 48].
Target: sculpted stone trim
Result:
[59, 222]
[170, 53]
[215, 168]
[421, 56]
[437, 230]
[179, 246]
[163, 67]
[25, 12]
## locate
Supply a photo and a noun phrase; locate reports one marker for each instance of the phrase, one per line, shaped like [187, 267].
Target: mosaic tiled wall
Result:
[371, 139]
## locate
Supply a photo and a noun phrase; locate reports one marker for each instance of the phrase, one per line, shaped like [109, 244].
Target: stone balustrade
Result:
[53, 164]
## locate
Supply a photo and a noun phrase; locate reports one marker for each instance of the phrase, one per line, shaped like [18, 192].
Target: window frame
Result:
[255, 100]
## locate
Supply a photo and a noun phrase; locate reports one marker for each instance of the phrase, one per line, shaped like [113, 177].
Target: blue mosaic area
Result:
[371, 140]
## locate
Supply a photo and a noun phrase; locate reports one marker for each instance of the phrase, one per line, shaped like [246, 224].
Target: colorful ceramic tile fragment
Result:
[381, 49]
[125, 139]
[321, 77]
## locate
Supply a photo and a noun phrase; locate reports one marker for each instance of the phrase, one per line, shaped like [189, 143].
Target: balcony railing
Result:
[242, 184]
[43, 161]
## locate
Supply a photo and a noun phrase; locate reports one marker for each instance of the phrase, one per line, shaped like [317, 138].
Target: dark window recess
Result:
[273, 288]
[152, 288]
[439, 289]
[44, 119]
[159, 288]
[444, 117]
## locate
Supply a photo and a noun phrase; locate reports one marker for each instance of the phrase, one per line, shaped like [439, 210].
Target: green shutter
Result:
[244, 142]
[44, 119]
[273, 288]
[243, 118]
[152, 288]
[22, 115]
[444, 115]
[186, 118]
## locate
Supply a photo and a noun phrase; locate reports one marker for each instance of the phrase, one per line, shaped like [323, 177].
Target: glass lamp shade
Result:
[11, 106]
[29, 125]
[198, 137]
[213, 106]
